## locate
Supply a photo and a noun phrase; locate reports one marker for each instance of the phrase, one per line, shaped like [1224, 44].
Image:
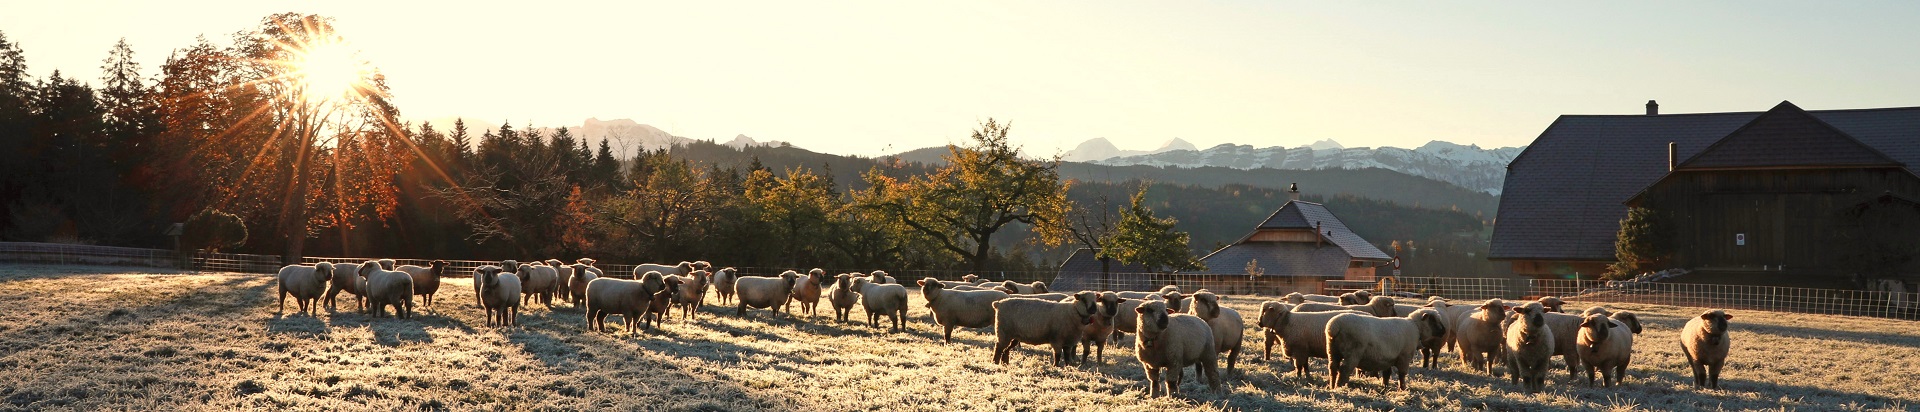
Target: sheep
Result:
[880, 276]
[690, 291]
[499, 295]
[1383, 346]
[957, 309]
[1296, 298]
[702, 265]
[1530, 346]
[1229, 329]
[1430, 344]
[1478, 334]
[1042, 296]
[1552, 303]
[1138, 295]
[538, 282]
[577, 284]
[426, 281]
[563, 289]
[679, 269]
[807, 291]
[723, 284]
[842, 297]
[1125, 323]
[661, 302]
[1269, 311]
[346, 278]
[1631, 320]
[1169, 342]
[1382, 306]
[1597, 310]
[306, 284]
[386, 264]
[1323, 307]
[1036, 321]
[970, 279]
[1705, 343]
[1036, 287]
[628, 298]
[1606, 345]
[388, 288]
[764, 293]
[1094, 335]
[964, 286]
[510, 265]
[1302, 334]
[878, 299]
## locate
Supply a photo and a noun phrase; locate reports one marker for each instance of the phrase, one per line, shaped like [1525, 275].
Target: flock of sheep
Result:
[1357, 331]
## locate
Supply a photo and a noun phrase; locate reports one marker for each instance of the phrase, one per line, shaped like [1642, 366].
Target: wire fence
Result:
[1884, 304]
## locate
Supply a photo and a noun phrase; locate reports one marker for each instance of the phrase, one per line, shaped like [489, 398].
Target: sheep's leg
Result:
[1153, 381]
[1713, 375]
[1000, 351]
[1213, 375]
[741, 310]
[1268, 354]
[1231, 358]
[1173, 375]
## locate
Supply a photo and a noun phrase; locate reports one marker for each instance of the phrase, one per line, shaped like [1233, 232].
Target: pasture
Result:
[89, 337]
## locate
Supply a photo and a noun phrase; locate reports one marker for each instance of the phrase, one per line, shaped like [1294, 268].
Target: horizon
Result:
[872, 79]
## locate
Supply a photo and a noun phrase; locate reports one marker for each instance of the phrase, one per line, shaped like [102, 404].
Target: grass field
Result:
[82, 337]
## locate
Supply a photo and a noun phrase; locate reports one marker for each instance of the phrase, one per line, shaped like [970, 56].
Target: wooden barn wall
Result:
[1791, 219]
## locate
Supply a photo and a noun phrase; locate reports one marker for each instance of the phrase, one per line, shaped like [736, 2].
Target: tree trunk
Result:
[1106, 273]
[980, 251]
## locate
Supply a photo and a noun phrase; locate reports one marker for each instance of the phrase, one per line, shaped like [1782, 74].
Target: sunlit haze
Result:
[879, 77]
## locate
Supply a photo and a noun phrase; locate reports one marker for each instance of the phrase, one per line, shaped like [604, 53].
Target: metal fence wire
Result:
[1884, 304]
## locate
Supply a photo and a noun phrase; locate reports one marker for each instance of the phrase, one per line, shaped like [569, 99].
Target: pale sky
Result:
[879, 77]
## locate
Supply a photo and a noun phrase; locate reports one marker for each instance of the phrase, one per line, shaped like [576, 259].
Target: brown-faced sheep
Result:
[809, 288]
[1036, 321]
[577, 285]
[1530, 347]
[387, 264]
[1169, 342]
[661, 303]
[690, 291]
[1382, 306]
[889, 299]
[842, 297]
[1303, 335]
[1382, 346]
[1430, 345]
[1095, 334]
[1229, 329]
[1478, 335]
[724, 281]
[499, 295]
[346, 278]
[388, 288]
[957, 309]
[628, 298]
[1705, 343]
[306, 284]
[764, 293]
[538, 282]
[426, 280]
[1606, 345]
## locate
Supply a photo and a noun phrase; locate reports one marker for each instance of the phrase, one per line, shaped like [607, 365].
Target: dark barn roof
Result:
[1302, 215]
[1278, 259]
[1081, 271]
[1563, 195]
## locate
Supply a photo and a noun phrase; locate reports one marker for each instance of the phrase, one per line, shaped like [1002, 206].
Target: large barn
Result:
[1786, 196]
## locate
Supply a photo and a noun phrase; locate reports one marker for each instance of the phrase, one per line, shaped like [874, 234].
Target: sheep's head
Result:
[1431, 326]
[1173, 300]
[1552, 303]
[510, 265]
[1296, 298]
[386, 264]
[1496, 307]
[1169, 289]
[1039, 287]
[928, 286]
[367, 268]
[1110, 304]
[1716, 323]
[790, 277]
[970, 278]
[702, 265]
[1632, 321]
[1153, 320]
[1364, 295]
[1597, 310]
[488, 276]
[1382, 306]
[843, 281]
[1533, 314]
[1597, 326]
[585, 261]
[683, 268]
[1270, 314]
[438, 267]
[1205, 304]
[1086, 304]
[324, 270]
[817, 272]
[580, 270]
[1350, 299]
[652, 281]
[525, 272]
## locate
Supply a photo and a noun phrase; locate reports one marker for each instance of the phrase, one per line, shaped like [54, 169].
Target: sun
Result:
[328, 70]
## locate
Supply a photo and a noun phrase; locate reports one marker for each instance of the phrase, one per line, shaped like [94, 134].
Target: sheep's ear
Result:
[1728, 316]
[1142, 309]
[1170, 311]
[922, 282]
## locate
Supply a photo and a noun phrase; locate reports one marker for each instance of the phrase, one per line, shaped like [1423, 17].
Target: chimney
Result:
[1673, 156]
[1316, 234]
[1293, 192]
[1653, 108]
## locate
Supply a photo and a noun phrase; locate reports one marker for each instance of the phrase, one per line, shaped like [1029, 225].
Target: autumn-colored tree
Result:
[985, 187]
[662, 216]
[797, 208]
[1151, 241]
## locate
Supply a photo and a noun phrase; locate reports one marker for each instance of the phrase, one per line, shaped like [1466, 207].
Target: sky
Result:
[870, 78]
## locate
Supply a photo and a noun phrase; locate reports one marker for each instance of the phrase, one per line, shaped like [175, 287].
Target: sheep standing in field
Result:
[1430, 344]
[1229, 329]
[661, 303]
[499, 295]
[1095, 334]
[1597, 310]
[808, 290]
[888, 300]
[970, 279]
[577, 284]
[723, 284]
[1013, 287]
[1035, 322]
[1126, 323]
[1530, 346]
[538, 283]
[1606, 345]
[1325, 307]
[1478, 335]
[1382, 346]
[510, 266]
[881, 276]
[386, 264]
[565, 271]
[764, 293]
[388, 288]
[690, 291]
[426, 280]
[1382, 306]
[952, 308]
[306, 284]
[1552, 303]
[677, 269]
[628, 298]
[346, 278]
[1168, 343]
[1705, 343]
[1303, 335]
[843, 297]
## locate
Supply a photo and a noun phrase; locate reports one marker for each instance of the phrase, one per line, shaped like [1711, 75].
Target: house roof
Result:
[1277, 259]
[1563, 194]
[1081, 271]
[1304, 215]
[1786, 136]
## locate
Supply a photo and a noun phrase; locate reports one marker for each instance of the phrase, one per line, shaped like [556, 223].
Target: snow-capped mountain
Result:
[1468, 166]
[1099, 149]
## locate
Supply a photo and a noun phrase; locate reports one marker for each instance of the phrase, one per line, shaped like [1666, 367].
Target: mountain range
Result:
[1468, 166]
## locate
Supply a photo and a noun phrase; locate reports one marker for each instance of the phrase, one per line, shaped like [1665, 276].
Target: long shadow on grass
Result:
[217, 299]
[1767, 390]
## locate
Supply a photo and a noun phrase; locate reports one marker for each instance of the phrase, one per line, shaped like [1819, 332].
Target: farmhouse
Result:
[1298, 248]
[1786, 196]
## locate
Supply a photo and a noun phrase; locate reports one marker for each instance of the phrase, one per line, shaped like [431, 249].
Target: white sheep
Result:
[1036, 287]
[306, 284]
[1606, 345]
[1382, 306]
[881, 276]
[1229, 329]
[499, 295]
[677, 269]
[1094, 335]
[1705, 343]
[1036, 321]
[426, 280]
[1530, 347]
[764, 293]
[508, 266]
[1597, 310]
[1125, 324]
[577, 284]
[346, 278]
[958, 309]
[1296, 298]
[1552, 303]
[843, 297]
[888, 300]
[388, 288]
[1169, 342]
[1478, 335]
[1327, 307]
[809, 289]
[1042, 296]
[1303, 335]
[723, 284]
[628, 298]
[563, 289]
[689, 292]
[1382, 346]
[538, 282]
